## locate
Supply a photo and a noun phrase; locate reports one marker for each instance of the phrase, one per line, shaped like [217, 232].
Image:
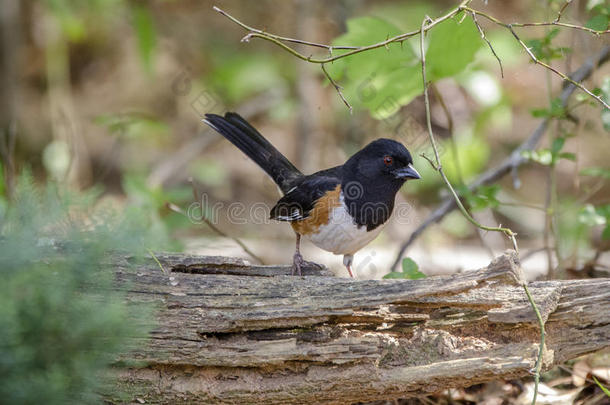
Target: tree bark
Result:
[228, 332]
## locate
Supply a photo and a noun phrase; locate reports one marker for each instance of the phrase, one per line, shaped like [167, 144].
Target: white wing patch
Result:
[294, 216]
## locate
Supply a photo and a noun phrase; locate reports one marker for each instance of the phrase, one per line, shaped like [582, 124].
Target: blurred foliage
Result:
[543, 48]
[550, 156]
[133, 125]
[62, 321]
[148, 203]
[600, 14]
[78, 18]
[146, 34]
[593, 216]
[237, 76]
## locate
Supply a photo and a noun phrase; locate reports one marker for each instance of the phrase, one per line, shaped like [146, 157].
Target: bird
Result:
[340, 209]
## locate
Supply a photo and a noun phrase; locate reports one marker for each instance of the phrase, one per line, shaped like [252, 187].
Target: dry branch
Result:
[230, 332]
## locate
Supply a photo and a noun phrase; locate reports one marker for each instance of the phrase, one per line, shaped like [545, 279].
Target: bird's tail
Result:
[243, 135]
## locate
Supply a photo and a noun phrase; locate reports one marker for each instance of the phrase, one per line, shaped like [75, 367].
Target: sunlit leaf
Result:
[452, 47]
[384, 79]
[380, 80]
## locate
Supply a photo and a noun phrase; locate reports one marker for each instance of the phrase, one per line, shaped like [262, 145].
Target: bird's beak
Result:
[408, 172]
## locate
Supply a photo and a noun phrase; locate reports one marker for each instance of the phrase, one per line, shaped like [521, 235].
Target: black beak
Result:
[407, 172]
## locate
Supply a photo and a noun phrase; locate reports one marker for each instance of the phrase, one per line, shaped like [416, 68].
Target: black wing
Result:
[298, 202]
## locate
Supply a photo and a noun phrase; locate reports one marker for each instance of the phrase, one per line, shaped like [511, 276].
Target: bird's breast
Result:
[331, 227]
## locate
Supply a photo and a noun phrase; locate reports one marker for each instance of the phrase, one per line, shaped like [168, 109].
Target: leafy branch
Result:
[430, 23]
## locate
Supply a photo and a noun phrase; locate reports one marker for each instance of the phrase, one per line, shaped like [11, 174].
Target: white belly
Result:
[341, 235]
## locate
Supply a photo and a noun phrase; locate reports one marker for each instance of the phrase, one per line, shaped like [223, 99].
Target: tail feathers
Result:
[243, 135]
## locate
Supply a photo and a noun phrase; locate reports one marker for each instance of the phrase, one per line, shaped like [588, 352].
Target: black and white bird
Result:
[340, 209]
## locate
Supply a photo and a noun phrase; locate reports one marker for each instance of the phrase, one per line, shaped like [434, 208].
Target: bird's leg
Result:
[297, 260]
[347, 262]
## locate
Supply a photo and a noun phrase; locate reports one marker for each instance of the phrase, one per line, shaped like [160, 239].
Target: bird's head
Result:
[384, 160]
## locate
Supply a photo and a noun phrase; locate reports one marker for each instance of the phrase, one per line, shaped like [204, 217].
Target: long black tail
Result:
[243, 135]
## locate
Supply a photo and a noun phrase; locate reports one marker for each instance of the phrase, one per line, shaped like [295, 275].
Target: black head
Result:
[383, 160]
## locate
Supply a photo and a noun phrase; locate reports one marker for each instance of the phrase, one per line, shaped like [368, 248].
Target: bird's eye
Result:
[388, 160]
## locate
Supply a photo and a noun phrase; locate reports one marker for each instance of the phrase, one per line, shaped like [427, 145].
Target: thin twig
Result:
[438, 166]
[150, 252]
[449, 116]
[562, 9]
[557, 72]
[512, 162]
[197, 196]
[330, 48]
[279, 41]
[560, 24]
[538, 365]
[338, 88]
[533, 57]
[474, 19]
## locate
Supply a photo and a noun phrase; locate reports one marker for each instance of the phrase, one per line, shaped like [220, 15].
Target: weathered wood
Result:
[228, 332]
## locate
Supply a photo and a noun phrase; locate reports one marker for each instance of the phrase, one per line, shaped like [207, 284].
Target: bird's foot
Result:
[297, 264]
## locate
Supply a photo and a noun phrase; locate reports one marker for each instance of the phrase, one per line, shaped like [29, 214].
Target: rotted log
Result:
[230, 332]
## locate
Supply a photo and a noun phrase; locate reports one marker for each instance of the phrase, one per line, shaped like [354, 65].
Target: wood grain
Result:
[228, 332]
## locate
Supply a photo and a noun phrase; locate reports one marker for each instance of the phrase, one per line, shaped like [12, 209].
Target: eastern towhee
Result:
[340, 209]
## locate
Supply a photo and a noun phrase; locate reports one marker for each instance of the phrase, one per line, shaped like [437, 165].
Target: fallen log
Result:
[228, 332]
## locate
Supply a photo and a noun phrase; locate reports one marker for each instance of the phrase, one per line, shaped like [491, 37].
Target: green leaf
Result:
[410, 271]
[596, 172]
[380, 80]
[452, 47]
[384, 79]
[598, 23]
[146, 35]
[557, 145]
[484, 197]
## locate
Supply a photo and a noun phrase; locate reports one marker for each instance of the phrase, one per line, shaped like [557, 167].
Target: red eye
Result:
[388, 160]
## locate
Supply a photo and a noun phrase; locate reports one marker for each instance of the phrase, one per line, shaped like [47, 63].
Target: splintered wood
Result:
[229, 332]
